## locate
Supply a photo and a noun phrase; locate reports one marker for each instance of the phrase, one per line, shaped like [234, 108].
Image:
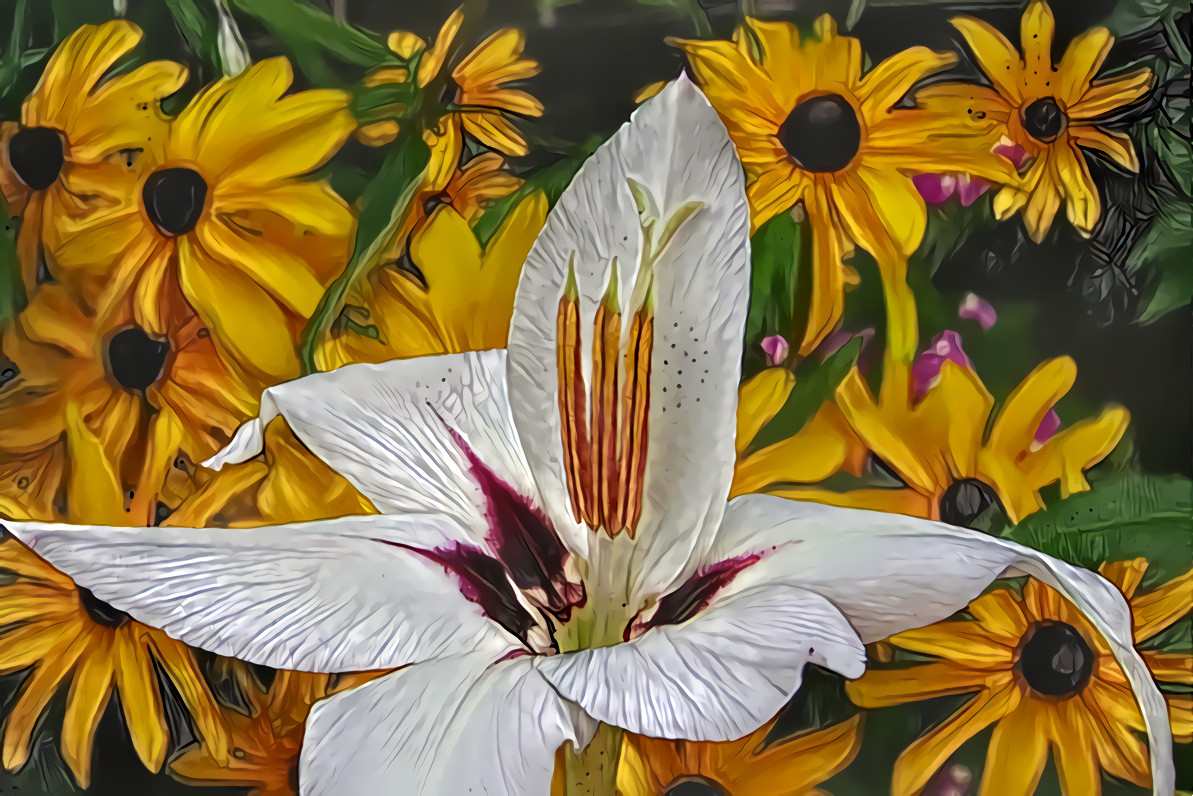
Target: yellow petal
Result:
[1161, 607]
[242, 317]
[814, 453]
[73, 72]
[1071, 740]
[963, 642]
[95, 491]
[1082, 203]
[996, 56]
[1036, 30]
[968, 404]
[1081, 61]
[880, 688]
[179, 664]
[890, 501]
[886, 84]
[648, 91]
[828, 274]
[1015, 428]
[378, 133]
[35, 694]
[432, 60]
[759, 399]
[495, 131]
[405, 44]
[921, 760]
[1117, 146]
[1017, 754]
[857, 404]
[85, 707]
[1107, 96]
[1000, 615]
[140, 702]
[1075, 449]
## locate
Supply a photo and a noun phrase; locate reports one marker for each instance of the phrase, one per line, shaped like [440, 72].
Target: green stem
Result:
[593, 771]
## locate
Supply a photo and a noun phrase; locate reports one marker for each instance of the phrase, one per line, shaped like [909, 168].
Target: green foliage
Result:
[385, 204]
[815, 384]
[1122, 517]
[1133, 16]
[198, 24]
[777, 250]
[12, 289]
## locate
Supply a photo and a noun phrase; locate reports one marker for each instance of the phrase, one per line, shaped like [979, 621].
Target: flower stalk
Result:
[592, 771]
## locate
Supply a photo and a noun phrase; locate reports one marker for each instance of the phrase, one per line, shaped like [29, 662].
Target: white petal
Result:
[888, 573]
[329, 596]
[383, 428]
[453, 726]
[716, 677]
[677, 149]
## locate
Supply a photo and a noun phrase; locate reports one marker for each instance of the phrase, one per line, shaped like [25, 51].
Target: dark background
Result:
[595, 56]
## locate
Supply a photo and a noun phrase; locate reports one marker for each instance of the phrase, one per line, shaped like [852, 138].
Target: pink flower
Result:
[938, 188]
[945, 347]
[1012, 152]
[975, 308]
[776, 349]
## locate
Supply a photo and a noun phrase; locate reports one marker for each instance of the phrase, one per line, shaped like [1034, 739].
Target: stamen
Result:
[635, 403]
[605, 348]
[572, 409]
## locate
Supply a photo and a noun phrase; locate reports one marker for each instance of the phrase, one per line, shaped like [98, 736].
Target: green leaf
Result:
[308, 35]
[1122, 517]
[12, 288]
[385, 204]
[1132, 16]
[811, 392]
[775, 255]
[1160, 259]
[200, 29]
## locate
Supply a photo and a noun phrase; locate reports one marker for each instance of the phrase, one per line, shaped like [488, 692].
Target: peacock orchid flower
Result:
[556, 559]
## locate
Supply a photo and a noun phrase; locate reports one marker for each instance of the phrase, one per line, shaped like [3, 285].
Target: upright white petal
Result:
[716, 677]
[453, 726]
[677, 150]
[386, 429]
[330, 596]
[888, 573]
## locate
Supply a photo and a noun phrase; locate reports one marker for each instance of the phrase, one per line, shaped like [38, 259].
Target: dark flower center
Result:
[135, 359]
[8, 371]
[822, 133]
[1055, 660]
[174, 200]
[100, 612]
[36, 156]
[1044, 120]
[695, 786]
[965, 500]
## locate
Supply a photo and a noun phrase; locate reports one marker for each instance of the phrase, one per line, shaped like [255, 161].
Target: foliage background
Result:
[1118, 304]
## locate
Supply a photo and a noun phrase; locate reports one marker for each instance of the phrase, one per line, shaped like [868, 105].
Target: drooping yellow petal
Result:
[179, 664]
[827, 302]
[1017, 753]
[923, 758]
[434, 58]
[1071, 742]
[95, 491]
[85, 706]
[35, 694]
[1082, 203]
[1116, 146]
[815, 452]
[136, 683]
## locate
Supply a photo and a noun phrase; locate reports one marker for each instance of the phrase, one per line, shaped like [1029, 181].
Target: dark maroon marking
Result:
[524, 539]
[694, 595]
[482, 581]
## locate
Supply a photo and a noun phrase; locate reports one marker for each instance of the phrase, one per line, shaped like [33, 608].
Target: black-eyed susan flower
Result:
[544, 579]
[75, 643]
[1038, 673]
[1050, 111]
[748, 767]
[265, 743]
[145, 396]
[811, 128]
[474, 93]
[76, 148]
[446, 294]
[933, 428]
[226, 220]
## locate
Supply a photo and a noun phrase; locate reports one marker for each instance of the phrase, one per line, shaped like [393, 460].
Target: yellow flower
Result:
[225, 215]
[74, 148]
[70, 638]
[790, 767]
[811, 128]
[265, 744]
[1048, 110]
[29, 484]
[474, 91]
[446, 295]
[1043, 677]
[145, 396]
[928, 430]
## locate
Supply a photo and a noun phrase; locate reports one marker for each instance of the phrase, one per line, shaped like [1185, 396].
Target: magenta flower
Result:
[945, 347]
[975, 308]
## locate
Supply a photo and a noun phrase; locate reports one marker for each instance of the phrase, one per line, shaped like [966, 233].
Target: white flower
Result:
[556, 548]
